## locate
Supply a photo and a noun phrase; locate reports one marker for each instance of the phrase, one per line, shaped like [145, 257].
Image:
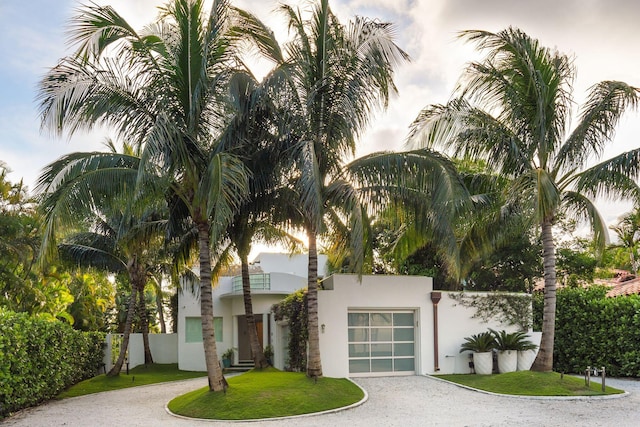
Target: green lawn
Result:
[529, 383]
[268, 393]
[140, 375]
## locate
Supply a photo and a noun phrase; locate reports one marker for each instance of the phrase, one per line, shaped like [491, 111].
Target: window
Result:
[193, 329]
[381, 342]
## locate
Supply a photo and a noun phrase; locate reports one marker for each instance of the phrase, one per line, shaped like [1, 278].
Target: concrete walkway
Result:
[393, 401]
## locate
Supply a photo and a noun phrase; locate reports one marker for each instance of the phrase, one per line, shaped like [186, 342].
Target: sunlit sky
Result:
[602, 35]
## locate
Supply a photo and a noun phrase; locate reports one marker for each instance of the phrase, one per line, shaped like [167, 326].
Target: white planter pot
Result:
[507, 361]
[483, 363]
[525, 359]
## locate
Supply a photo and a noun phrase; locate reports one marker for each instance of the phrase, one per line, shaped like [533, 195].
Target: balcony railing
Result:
[259, 282]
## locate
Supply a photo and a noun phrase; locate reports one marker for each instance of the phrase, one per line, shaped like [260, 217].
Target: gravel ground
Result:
[393, 401]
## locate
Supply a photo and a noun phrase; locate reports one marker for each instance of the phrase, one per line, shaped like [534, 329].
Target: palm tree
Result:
[92, 197]
[628, 231]
[337, 75]
[513, 112]
[162, 89]
[251, 134]
[418, 194]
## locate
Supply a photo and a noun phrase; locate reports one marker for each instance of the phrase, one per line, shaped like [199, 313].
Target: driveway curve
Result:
[393, 401]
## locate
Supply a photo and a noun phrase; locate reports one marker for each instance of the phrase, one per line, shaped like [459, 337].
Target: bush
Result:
[293, 309]
[39, 358]
[593, 330]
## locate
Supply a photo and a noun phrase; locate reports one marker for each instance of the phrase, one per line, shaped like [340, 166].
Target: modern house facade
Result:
[370, 325]
[278, 276]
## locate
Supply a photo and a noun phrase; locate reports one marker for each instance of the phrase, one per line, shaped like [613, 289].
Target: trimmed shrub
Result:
[40, 357]
[592, 330]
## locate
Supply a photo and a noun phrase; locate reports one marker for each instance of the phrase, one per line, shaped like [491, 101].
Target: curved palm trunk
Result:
[314, 364]
[115, 370]
[259, 359]
[160, 308]
[544, 359]
[144, 325]
[217, 381]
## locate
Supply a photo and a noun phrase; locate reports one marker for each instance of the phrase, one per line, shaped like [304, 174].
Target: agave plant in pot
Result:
[482, 346]
[509, 345]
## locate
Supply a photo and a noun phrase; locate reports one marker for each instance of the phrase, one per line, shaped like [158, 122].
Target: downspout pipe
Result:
[435, 299]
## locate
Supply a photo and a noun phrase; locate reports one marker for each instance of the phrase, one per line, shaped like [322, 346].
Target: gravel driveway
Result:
[393, 401]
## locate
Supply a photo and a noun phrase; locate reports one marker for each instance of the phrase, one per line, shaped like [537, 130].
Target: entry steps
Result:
[241, 366]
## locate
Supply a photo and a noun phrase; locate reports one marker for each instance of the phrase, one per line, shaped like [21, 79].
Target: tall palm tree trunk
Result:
[217, 381]
[544, 359]
[257, 353]
[124, 345]
[144, 325]
[314, 364]
[160, 308]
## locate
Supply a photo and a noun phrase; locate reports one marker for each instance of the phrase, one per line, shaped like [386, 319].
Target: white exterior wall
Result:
[191, 355]
[164, 349]
[296, 265]
[455, 322]
[229, 306]
[342, 293]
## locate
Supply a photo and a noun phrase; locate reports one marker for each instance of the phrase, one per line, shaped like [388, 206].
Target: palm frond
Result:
[606, 103]
[585, 210]
[614, 178]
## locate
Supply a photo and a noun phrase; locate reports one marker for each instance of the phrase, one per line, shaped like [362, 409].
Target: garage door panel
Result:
[381, 342]
[381, 319]
[359, 366]
[403, 319]
[381, 365]
[358, 334]
[404, 349]
[404, 365]
[359, 350]
[403, 334]
[381, 334]
[381, 350]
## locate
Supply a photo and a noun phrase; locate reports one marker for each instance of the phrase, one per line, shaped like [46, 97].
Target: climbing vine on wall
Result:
[293, 309]
[512, 309]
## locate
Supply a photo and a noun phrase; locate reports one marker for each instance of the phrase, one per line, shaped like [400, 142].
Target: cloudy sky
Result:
[602, 35]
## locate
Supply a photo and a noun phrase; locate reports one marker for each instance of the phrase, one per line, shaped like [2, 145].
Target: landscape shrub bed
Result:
[593, 330]
[39, 358]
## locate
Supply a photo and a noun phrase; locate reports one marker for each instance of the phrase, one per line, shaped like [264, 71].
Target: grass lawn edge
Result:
[530, 397]
[59, 397]
[84, 388]
[310, 414]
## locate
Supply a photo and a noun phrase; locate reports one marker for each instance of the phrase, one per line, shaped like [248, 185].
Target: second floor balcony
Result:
[259, 282]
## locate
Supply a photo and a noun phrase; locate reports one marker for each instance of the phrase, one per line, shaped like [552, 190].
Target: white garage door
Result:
[381, 342]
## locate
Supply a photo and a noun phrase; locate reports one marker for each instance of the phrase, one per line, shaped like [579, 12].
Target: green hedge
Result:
[39, 358]
[592, 330]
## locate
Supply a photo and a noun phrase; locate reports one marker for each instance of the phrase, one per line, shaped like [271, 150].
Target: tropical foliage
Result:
[218, 160]
[40, 357]
[593, 330]
[57, 291]
[162, 90]
[512, 340]
[512, 110]
[294, 309]
[479, 343]
[334, 75]
[627, 231]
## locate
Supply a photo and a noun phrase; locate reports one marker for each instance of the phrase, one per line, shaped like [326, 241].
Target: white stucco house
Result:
[280, 275]
[373, 325]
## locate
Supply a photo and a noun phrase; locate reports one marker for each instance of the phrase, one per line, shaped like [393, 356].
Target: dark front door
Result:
[244, 347]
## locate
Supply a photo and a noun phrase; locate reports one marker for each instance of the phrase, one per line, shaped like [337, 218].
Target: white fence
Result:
[164, 349]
